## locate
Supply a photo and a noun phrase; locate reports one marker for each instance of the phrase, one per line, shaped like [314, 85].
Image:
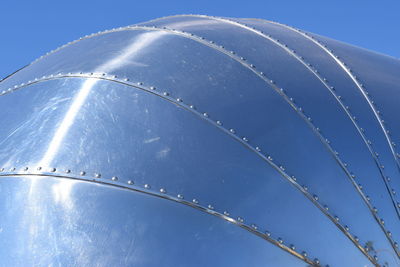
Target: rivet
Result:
[304, 253]
[52, 169]
[139, 83]
[130, 182]
[336, 218]
[97, 175]
[315, 197]
[147, 186]
[226, 213]
[240, 219]
[245, 139]
[305, 187]
[389, 233]
[326, 207]
[205, 114]
[258, 149]
[192, 107]
[1, 169]
[282, 168]
[375, 209]
[39, 168]
[292, 247]
[126, 79]
[114, 178]
[210, 207]
[254, 226]
[270, 158]
[356, 239]
[26, 168]
[152, 88]
[219, 123]
[67, 171]
[293, 178]
[195, 201]
[251, 65]
[267, 233]
[180, 196]
[280, 240]
[82, 173]
[368, 198]
[316, 261]
[382, 221]
[232, 131]
[12, 169]
[376, 258]
[163, 191]
[346, 228]
[179, 99]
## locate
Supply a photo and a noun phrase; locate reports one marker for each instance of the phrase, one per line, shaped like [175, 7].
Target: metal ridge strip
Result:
[232, 133]
[163, 194]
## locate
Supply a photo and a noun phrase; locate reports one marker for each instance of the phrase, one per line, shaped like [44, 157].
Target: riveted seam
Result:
[232, 133]
[163, 194]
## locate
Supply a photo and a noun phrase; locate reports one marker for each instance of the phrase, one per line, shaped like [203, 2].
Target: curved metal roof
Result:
[202, 141]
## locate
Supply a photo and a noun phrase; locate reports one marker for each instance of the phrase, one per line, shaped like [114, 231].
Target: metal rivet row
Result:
[162, 193]
[281, 169]
[240, 59]
[345, 107]
[370, 101]
[276, 41]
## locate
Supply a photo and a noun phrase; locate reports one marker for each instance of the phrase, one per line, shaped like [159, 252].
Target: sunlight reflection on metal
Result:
[130, 52]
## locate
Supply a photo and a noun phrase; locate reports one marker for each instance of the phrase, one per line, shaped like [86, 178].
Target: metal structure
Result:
[201, 141]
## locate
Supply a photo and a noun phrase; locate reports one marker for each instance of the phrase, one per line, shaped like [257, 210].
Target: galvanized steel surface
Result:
[201, 141]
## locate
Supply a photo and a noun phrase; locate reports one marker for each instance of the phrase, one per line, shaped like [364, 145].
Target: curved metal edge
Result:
[324, 81]
[338, 98]
[241, 139]
[163, 194]
[11, 74]
[280, 91]
[361, 88]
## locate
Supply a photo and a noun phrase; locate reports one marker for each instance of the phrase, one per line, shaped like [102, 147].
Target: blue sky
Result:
[29, 28]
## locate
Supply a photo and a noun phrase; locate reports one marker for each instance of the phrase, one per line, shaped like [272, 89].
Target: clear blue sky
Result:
[30, 28]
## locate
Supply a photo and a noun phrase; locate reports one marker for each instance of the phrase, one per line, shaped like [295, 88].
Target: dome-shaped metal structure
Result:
[201, 141]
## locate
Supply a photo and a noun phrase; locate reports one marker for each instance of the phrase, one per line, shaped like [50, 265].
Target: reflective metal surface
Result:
[207, 141]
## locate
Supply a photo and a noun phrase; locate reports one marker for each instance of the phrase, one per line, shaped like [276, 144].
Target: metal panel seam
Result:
[162, 193]
[243, 140]
[338, 98]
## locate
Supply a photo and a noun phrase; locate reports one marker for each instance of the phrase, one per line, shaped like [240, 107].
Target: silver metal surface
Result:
[184, 134]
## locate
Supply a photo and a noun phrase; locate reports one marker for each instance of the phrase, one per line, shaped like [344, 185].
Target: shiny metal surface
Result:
[204, 131]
